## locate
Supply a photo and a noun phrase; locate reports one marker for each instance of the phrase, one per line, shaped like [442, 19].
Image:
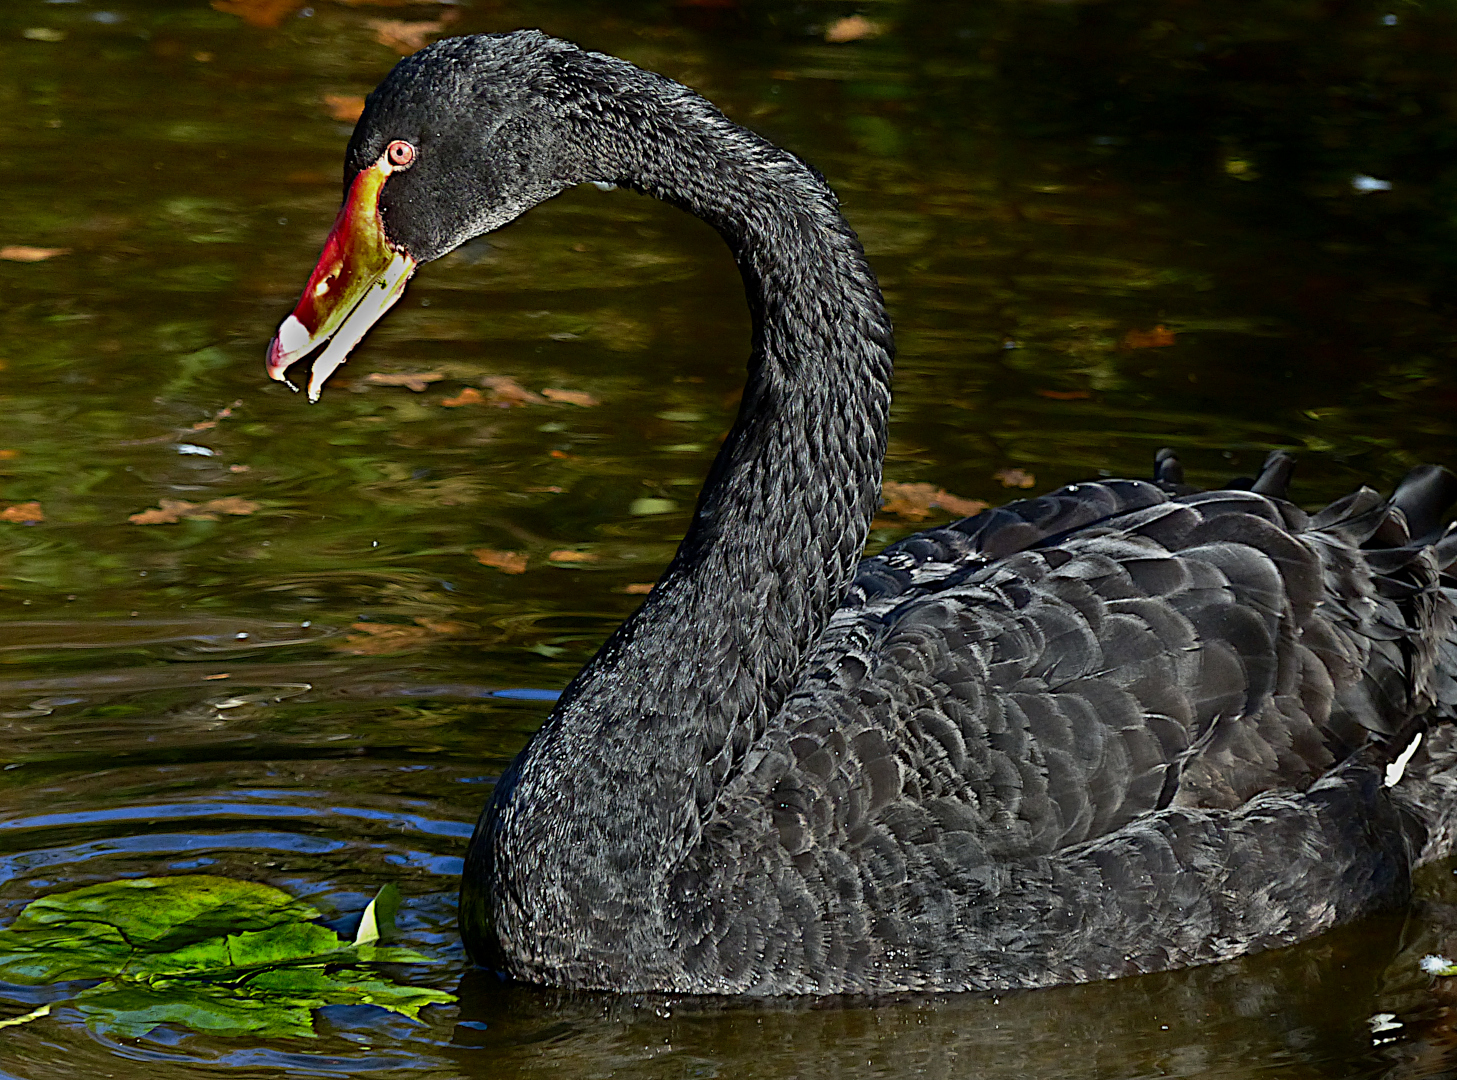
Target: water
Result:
[1101, 228]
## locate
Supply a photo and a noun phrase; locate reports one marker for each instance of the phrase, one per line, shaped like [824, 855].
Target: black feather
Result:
[1122, 727]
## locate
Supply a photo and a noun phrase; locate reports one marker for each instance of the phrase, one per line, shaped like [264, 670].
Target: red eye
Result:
[400, 154]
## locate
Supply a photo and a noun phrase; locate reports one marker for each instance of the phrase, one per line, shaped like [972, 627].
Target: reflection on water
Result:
[1102, 228]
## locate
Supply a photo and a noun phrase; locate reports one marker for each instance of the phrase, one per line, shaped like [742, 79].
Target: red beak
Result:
[358, 278]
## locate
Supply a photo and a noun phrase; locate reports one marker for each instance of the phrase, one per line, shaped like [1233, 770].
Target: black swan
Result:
[1123, 727]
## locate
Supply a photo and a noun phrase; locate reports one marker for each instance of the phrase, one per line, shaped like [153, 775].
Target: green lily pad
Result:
[220, 956]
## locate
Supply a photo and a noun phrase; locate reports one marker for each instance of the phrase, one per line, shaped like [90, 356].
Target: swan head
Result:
[460, 138]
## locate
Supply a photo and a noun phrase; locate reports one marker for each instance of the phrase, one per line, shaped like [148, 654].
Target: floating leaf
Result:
[345, 107]
[23, 513]
[1014, 478]
[414, 380]
[915, 501]
[22, 253]
[171, 511]
[851, 28]
[116, 926]
[508, 562]
[408, 37]
[43, 33]
[507, 393]
[1064, 395]
[264, 14]
[378, 920]
[133, 1009]
[566, 555]
[379, 639]
[25, 1018]
[221, 956]
[1160, 337]
[570, 397]
[469, 396]
[647, 506]
[638, 588]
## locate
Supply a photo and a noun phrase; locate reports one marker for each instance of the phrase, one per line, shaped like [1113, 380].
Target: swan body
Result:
[1121, 728]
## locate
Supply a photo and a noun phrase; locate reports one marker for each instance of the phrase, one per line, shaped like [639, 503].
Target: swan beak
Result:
[358, 278]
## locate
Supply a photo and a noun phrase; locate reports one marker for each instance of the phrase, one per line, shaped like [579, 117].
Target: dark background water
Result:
[1101, 228]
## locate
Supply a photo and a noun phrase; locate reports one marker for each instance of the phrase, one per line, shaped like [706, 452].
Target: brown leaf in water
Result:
[1064, 395]
[570, 397]
[508, 562]
[915, 501]
[638, 588]
[414, 380]
[443, 627]
[469, 396]
[851, 28]
[1160, 337]
[507, 393]
[7, 454]
[232, 504]
[171, 511]
[345, 107]
[1017, 478]
[566, 555]
[23, 253]
[376, 639]
[408, 37]
[23, 513]
[264, 14]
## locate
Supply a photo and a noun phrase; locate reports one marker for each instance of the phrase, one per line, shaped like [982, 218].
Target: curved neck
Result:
[784, 513]
[619, 779]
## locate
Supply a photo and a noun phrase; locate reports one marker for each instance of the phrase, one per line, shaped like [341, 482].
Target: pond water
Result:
[1101, 228]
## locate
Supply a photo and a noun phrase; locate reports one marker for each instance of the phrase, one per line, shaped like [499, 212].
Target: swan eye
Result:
[400, 154]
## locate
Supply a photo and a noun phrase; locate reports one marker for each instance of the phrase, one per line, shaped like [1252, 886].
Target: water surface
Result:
[1101, 228]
